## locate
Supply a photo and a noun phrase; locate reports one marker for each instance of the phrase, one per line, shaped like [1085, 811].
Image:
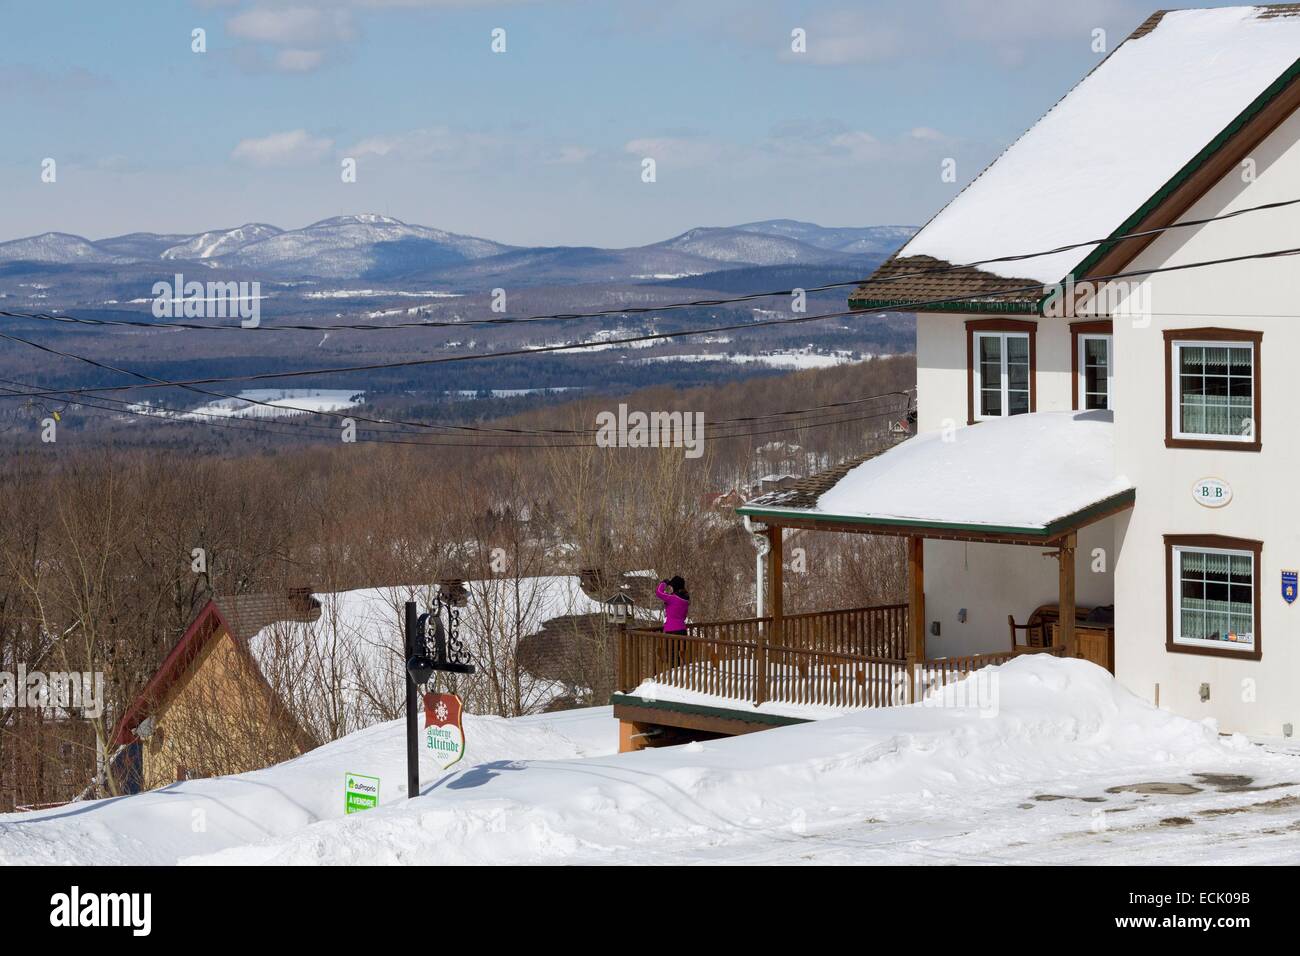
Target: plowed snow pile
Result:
[1041, 729]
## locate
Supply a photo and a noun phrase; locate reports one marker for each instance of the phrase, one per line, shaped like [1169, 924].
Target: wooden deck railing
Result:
[846, 658]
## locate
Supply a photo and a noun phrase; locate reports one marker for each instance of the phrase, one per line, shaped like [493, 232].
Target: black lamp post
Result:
[446, 655]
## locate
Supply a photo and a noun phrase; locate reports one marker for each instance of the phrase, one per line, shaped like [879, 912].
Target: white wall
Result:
[1254, 697]
[941, 379]
[994, 580]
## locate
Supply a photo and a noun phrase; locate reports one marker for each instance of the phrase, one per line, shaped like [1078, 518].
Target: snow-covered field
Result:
[265, 403]
[1067, 768]
[789, 359]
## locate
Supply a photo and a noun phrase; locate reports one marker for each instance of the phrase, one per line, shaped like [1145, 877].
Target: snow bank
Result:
[204, 816]
[1024, 471]
[1052, 719]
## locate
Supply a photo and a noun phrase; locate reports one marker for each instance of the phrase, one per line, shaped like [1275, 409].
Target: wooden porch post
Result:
[915, 611]
[1066, 598]
[776, 600]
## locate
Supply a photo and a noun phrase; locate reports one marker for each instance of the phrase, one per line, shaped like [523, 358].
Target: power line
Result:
[357, 416]
[246, 425]
[511, 353]
[168, 413]
[642, 310]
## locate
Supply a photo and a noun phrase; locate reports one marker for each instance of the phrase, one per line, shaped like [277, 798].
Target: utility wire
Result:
[247, 425]
[150, 382]
[358, 416]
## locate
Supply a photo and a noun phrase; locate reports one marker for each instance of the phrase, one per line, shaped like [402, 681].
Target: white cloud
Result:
[299, 61]
[292, 26]
[282, 149]
[676, 150]
[859, 144]
[842, 37]
[569, 155]
[927, 134]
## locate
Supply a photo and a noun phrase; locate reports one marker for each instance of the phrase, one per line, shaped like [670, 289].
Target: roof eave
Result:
[1044, 533]
[983, 306]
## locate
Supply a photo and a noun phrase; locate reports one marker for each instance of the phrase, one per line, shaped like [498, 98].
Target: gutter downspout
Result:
[762, 544]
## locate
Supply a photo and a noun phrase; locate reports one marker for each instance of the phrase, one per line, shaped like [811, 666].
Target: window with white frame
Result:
[1096, 371]
[1214, 598]
[1001, 370]
[1214, 390]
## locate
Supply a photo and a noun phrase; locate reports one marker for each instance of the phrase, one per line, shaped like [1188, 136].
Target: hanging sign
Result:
[360, 792]
[444, 736]
[1289, 582]
[1211, 492]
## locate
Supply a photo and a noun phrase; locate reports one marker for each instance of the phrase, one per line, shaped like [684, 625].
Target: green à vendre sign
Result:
[359, 792]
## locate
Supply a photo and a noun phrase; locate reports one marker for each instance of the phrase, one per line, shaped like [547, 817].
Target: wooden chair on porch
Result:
[1041, 627]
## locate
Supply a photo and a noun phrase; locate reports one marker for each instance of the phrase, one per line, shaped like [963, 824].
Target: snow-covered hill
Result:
[1041, 760]
[848, 240]
[56, 247]
[365, 245]
[372, 246]
[221, 242]
[749, 248]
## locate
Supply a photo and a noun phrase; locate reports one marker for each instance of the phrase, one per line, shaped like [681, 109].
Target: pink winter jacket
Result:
[675, 608]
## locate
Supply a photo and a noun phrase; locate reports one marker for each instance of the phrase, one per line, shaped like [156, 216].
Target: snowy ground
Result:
[1064, 766]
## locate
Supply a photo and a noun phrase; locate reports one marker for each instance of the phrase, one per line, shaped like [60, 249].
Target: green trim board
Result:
[1076, 519]
[703, 710]
[979, 307]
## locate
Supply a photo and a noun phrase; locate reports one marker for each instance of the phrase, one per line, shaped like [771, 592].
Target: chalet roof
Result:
[242, 615]
[246, 614]
[805, 492]
[1112, 150]
[1027, 477]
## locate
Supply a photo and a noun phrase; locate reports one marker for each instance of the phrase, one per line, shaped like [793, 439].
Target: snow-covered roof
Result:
[1019, 475]
[1112, 143]
[353, 654]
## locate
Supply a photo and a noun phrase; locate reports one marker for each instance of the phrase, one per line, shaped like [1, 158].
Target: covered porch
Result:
[1034, 481]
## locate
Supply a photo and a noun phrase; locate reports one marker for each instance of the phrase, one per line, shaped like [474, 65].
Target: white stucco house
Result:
[1119, 401]
[1103, 465]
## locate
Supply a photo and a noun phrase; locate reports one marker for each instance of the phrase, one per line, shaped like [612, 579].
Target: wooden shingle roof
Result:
[806, 491]
[246, 614]
[915, 279]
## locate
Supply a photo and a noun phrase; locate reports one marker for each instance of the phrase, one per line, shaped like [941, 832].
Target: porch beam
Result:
[776, 599]
[915, 611]
[1065, 580]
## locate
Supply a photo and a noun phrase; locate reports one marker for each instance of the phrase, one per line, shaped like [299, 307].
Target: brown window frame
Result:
[1214, 335]
[1099, 327]
[1000, 325]
[1224, 543]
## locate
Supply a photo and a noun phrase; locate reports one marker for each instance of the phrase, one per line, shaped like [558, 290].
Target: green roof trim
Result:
[973, 305]
[1046, 533]
[702, 710]
[1273, 90]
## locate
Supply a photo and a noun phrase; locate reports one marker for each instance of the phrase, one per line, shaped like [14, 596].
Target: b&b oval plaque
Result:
[1211, 492]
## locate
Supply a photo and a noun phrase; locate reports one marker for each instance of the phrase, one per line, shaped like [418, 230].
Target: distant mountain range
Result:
[375, 247]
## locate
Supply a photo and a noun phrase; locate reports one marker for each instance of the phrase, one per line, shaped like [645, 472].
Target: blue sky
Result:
[541, 144]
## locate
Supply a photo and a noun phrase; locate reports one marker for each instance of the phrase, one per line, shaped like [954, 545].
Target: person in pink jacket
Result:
[677, 604]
